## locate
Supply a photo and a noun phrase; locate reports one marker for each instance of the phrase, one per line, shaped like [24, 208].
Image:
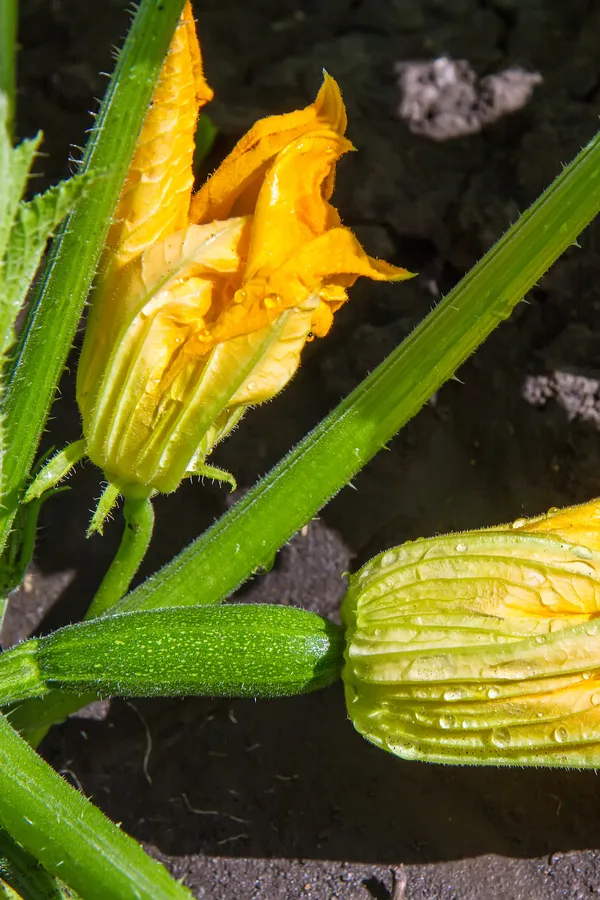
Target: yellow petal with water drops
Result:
[481, 647]
[577, 524]
[233, 188]
[155, 200]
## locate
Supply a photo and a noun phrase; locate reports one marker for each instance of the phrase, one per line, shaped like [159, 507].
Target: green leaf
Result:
[34, 223]
[15, 165]
[228, 651]
[69, 836]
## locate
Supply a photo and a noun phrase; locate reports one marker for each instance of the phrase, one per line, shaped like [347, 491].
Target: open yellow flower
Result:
[205, 302]
[482, 647]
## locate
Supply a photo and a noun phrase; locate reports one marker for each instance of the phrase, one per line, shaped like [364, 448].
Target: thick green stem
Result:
[22, 872]
[58, 301]
[139, 524]
[8, 54]
[69, 836]
[292, 493]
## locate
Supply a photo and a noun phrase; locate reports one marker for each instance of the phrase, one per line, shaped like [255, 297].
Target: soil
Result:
[282, 799]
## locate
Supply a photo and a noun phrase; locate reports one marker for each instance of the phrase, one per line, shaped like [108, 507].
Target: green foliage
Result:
[25, 227]
[34, 222]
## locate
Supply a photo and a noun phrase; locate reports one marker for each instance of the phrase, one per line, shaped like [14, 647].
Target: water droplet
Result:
[500, 737]
[533, 578]
[586, 675]
[518, 523]
[582, 552]
[406, 749]
[561, 735]
[493, 693]
[591, 628]
[454, 694]
[552, 511]
[595, 698]
[447, 721]
[460, 548]
[388, 559]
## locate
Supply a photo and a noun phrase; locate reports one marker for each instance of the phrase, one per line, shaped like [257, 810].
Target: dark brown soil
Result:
[283, 799]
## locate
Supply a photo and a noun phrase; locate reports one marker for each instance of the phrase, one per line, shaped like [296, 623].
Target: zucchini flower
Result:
[482, 647]
[205, 302]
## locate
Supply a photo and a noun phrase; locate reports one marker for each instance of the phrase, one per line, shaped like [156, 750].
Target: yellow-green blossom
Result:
[205, 302]
[482, 647]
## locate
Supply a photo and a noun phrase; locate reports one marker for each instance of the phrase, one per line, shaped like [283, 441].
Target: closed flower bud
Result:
[482, 647]
[205, 302]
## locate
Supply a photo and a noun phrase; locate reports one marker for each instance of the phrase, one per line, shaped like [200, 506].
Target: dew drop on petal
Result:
[582, 552]
[595, 698]
[500, 737]
[561, 734]
[447, 721]
[518, 523]
[460, 548]
[453, 694]
[388, 559]
[493, 693]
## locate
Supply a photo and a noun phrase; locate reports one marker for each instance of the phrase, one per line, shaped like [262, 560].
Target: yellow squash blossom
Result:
[205, 302]
[482, 647]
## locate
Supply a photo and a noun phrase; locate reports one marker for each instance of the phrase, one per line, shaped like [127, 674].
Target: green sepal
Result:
[57, 468]
[106, 504]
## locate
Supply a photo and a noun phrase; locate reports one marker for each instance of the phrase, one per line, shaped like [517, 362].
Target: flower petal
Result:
[481, 647]
[232, 189]
[156, 196]
[577, 524]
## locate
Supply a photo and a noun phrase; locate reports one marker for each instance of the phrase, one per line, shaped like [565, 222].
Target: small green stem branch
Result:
[292, 493]
[226, 651]
[139, 524]
[8, 54]
[58, 301]
[69, 836]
